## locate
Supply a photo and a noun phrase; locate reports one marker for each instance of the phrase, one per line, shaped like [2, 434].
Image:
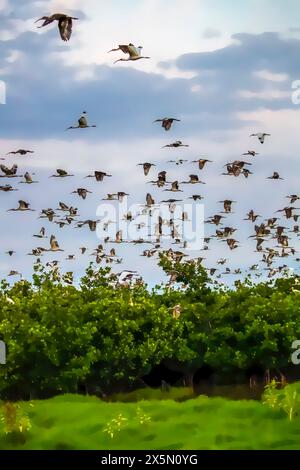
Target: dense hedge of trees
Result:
[99, 337]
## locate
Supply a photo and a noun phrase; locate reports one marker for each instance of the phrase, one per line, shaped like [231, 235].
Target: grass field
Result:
[78, 422]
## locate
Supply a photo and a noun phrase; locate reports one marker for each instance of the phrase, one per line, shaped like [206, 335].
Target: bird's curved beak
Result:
[40, 19]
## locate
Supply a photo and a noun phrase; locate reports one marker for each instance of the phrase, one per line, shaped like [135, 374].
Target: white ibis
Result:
[261, 136]
[134, 53]
[82, 122]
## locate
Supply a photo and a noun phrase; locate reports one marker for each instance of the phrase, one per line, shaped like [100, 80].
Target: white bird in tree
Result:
[65, 24]
[261, 136]
[134, 53]
[82, 122]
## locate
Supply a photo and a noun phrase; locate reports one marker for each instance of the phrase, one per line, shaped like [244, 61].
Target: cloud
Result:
[220, 95]
[211, 33]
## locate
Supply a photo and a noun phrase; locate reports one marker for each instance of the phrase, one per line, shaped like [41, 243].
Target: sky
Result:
[224, 68]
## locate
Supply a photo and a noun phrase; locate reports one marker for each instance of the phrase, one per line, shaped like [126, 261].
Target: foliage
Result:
[77, 422]
[100, 337]
[286, 399]
[14, 421]
[115, 426]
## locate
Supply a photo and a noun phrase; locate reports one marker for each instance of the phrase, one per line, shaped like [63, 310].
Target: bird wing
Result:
[133, 51]
[4, 169]
[125, 48]
[65, 28]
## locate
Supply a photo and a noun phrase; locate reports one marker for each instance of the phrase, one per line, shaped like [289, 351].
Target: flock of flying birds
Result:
[264, 232]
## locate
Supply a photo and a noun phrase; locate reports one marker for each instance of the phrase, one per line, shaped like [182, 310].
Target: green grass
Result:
[77, 422]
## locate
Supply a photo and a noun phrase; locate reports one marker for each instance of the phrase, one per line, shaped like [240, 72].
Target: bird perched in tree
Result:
[65, 24]
[166, 123]
[82, 122]
[134, 53]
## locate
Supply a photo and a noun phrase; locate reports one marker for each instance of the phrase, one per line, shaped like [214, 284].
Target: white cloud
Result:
[269, 76]
[267, 94]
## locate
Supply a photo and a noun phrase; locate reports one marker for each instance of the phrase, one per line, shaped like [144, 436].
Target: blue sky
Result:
[225, 68]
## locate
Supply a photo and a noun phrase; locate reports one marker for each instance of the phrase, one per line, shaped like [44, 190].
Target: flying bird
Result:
[166, 123]
[178, 162]
[82, 192]
[60, 174]
[20, 152]
[275, 176]
[9, 172]
[134, 53]
[99, 175]
[65, 24]
[146, 167]
[54, 246]
[7, 188]
[28, 179]
[176, 144]
[250, 153]
[82, 122]
[201, 162]
[23, 206]
[261, 136]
